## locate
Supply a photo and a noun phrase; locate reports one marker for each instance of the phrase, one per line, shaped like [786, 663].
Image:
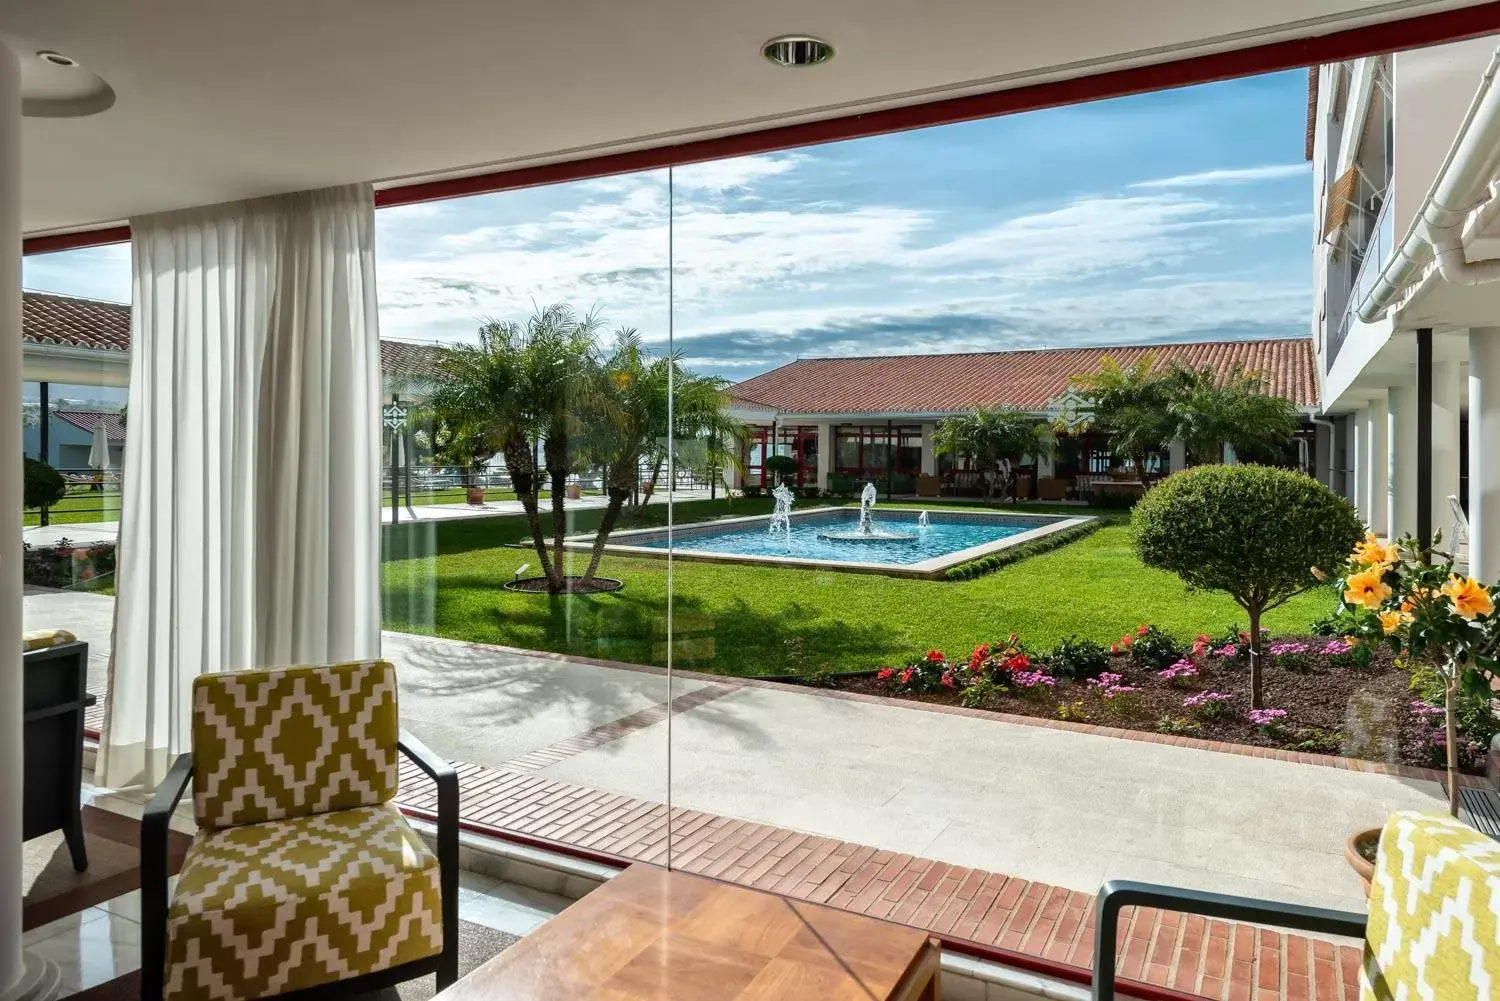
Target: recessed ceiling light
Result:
[797, 50]
[55, 58]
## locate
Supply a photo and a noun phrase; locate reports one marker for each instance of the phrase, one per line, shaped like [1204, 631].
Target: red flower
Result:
[1143, 630]
[1127, 639]
[1114, 648]
[906, 675]
[935, 656]
[1019, 662]
[946, 680]
[885, 673]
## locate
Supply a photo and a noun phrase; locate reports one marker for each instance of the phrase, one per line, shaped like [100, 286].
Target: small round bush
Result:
[1076, 659]
[1253, 532]
[44, 485]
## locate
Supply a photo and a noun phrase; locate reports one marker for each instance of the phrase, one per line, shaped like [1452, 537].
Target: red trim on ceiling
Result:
[73, 241]
[1351, 43]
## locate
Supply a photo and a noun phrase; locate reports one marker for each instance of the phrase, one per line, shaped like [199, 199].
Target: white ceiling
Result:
[219, 99]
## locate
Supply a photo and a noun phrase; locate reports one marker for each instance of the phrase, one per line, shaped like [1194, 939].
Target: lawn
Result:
[445, 578]
[80, 506]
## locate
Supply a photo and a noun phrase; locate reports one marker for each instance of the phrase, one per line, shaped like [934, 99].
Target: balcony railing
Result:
[1381, 243]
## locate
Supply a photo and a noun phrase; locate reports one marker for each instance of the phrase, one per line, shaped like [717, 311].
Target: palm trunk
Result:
[651, 483]
[523, 477]
[611, 514]
[559, 522]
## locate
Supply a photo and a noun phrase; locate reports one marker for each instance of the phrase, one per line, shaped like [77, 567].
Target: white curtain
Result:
[250, 527]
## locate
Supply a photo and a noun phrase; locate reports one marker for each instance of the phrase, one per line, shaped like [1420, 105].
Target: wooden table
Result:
[651, 934]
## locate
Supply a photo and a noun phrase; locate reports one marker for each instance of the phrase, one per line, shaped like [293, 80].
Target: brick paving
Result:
[1201, 957]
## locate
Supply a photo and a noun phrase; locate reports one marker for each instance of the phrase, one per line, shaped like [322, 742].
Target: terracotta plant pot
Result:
[476, 495]
[1364, 869]
[574, 491]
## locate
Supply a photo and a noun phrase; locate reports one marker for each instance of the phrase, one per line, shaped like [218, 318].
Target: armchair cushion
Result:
[291, 742]
[1434, 912]
[268, 908]
[40, 639]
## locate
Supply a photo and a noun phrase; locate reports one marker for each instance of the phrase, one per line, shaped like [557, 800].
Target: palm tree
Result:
[630, 419]
[991, 435]
[522, 386]
[1132, 406]
[1211, 412]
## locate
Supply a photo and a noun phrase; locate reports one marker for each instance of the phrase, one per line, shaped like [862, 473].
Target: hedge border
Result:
[998, 561]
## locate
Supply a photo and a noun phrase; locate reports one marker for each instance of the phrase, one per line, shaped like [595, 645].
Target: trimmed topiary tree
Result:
[783, 468]
[44, 486]
[1253, 532]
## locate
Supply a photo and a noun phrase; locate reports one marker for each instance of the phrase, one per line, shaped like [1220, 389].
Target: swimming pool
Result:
[950, 538]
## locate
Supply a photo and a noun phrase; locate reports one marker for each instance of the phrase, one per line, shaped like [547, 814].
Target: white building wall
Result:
[1433, 88]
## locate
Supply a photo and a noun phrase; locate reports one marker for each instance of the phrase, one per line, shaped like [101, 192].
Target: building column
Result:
[21, 975]
[825, 454]
[1447, 399]
[1322, 457]
[929, 453]
[1401, 477]
[1358, 436]
[1176, 455]
[1376, 462]
[1484, 453]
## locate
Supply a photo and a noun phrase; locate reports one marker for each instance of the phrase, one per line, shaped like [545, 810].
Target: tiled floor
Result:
[1208, 958]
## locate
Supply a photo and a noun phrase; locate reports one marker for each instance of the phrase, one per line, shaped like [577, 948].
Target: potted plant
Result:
[1434, 619]
[783, 468]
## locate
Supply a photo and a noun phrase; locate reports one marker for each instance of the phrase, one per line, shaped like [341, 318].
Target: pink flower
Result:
[1266, 717]
[1206, 699]
[946, 680]
[1107, 679]
[906, 675]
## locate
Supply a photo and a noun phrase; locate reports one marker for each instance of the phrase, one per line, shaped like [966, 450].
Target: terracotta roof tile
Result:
[76, 323]
[87, 420]
[69, 321]
[920, 384]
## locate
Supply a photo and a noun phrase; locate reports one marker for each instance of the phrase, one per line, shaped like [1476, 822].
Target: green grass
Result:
[745, 620]
[458, 495]
[80, 506]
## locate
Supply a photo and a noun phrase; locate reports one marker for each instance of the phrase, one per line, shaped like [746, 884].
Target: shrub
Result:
[1178, 726]
[1004, 558]
[980, 694]
[753, 491]
[1113, 500]
[842, 485]
[1253, 532]
[810, 493]
[1076, 711]
[1076, 658]
[1149, 648]
[44, 485]
[781, 468]
[69, 566]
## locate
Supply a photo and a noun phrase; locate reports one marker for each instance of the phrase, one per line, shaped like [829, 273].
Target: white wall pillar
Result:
[1484, 453]
[929, 453]
[1358, 436]
[12, 970]
[1176, 455]
[1230, 458]
[825, 454]
[1322, 457]
[1376, 464]
[1447, 399]
[1402, 475]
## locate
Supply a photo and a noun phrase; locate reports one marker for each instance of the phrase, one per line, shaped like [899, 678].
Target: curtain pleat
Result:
[250, 524]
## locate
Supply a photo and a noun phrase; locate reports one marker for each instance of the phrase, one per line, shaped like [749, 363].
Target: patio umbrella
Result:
[99, 453]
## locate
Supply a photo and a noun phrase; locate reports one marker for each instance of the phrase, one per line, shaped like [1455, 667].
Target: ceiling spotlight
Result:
[56, 59]
[797, 50]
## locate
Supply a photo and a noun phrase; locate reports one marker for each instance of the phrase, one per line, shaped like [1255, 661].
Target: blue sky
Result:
[1183, 215]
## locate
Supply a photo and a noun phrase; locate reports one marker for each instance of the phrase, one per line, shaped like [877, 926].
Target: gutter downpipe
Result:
[1438, 225]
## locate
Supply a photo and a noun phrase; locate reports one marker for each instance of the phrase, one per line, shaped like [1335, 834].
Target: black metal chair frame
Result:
[47, 803]
[1121, 893]
[154, 865]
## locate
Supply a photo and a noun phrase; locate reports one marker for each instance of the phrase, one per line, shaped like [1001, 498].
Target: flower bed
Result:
[65, 565]
[1319, 698]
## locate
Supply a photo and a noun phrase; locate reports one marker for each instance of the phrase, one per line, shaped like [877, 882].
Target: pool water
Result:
[941, 538]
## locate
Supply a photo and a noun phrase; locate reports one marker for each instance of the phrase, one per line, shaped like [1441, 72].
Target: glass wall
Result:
[582, 571]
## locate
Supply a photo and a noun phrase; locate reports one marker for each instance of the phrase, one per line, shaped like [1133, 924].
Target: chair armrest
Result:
[1121, 893]
[443, 774]
[155, 833]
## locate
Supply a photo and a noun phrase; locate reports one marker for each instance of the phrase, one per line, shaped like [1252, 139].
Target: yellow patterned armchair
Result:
[303, 878]
[1433, 929]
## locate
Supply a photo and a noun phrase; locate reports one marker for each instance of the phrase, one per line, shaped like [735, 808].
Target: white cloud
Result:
[1236, 175]
[741, 172]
